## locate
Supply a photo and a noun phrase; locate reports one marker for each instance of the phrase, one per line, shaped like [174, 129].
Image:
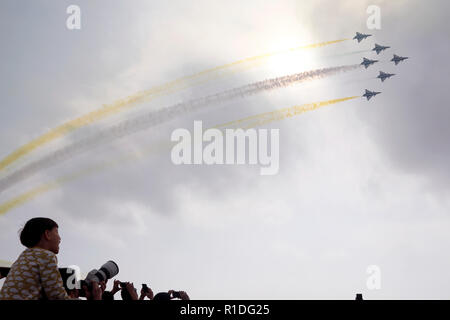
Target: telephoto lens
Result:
[107, 271]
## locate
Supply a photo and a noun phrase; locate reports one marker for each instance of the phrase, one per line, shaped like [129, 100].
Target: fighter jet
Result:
[379, 48]
[369, 94]
[366, 62]
[383, 76]
[397, 59]
[361, 36]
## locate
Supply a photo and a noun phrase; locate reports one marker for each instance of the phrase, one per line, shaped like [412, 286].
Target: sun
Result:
[291, 56]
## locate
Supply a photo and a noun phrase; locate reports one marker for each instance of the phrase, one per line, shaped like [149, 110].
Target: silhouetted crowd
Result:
[127, 292]
[35, 274]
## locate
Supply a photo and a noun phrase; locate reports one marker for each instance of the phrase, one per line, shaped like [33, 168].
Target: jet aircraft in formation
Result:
[397, 59]
[379, 48]
[383, 76]
[367, 62]
[361, 36]
[369, 94]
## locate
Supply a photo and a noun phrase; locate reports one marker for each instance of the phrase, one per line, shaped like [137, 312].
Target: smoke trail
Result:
[249, 122]
[5, 207]
[29, 195]
[163, 115]
[132, 100]
[267, 117]
[33, 193]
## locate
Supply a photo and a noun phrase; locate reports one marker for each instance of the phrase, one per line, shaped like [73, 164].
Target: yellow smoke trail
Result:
[33, 193]
[23, 198]
[132, 100]
[267, 117]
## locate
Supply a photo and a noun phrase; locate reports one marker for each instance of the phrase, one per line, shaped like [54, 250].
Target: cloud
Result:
[359, 183]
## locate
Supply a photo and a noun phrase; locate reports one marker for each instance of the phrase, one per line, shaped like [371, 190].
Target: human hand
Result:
[86, 292]
[116, 287]
[143, 293]
[132, 291]
[102, 285]
[150, 294]
[74, 294]
[146, 292]
[181, 294]
[184, 295]
[96, 293]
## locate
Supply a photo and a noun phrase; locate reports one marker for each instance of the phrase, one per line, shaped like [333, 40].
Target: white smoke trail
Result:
[163, 115]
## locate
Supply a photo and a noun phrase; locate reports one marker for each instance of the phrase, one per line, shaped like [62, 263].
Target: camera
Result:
[107, 271]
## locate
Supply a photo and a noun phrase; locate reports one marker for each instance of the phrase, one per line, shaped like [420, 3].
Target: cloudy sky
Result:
[360, 183]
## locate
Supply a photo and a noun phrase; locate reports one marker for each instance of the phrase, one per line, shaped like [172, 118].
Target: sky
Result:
[360, 183]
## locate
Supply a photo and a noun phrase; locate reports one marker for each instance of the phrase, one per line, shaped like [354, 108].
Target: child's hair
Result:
[33, 230]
